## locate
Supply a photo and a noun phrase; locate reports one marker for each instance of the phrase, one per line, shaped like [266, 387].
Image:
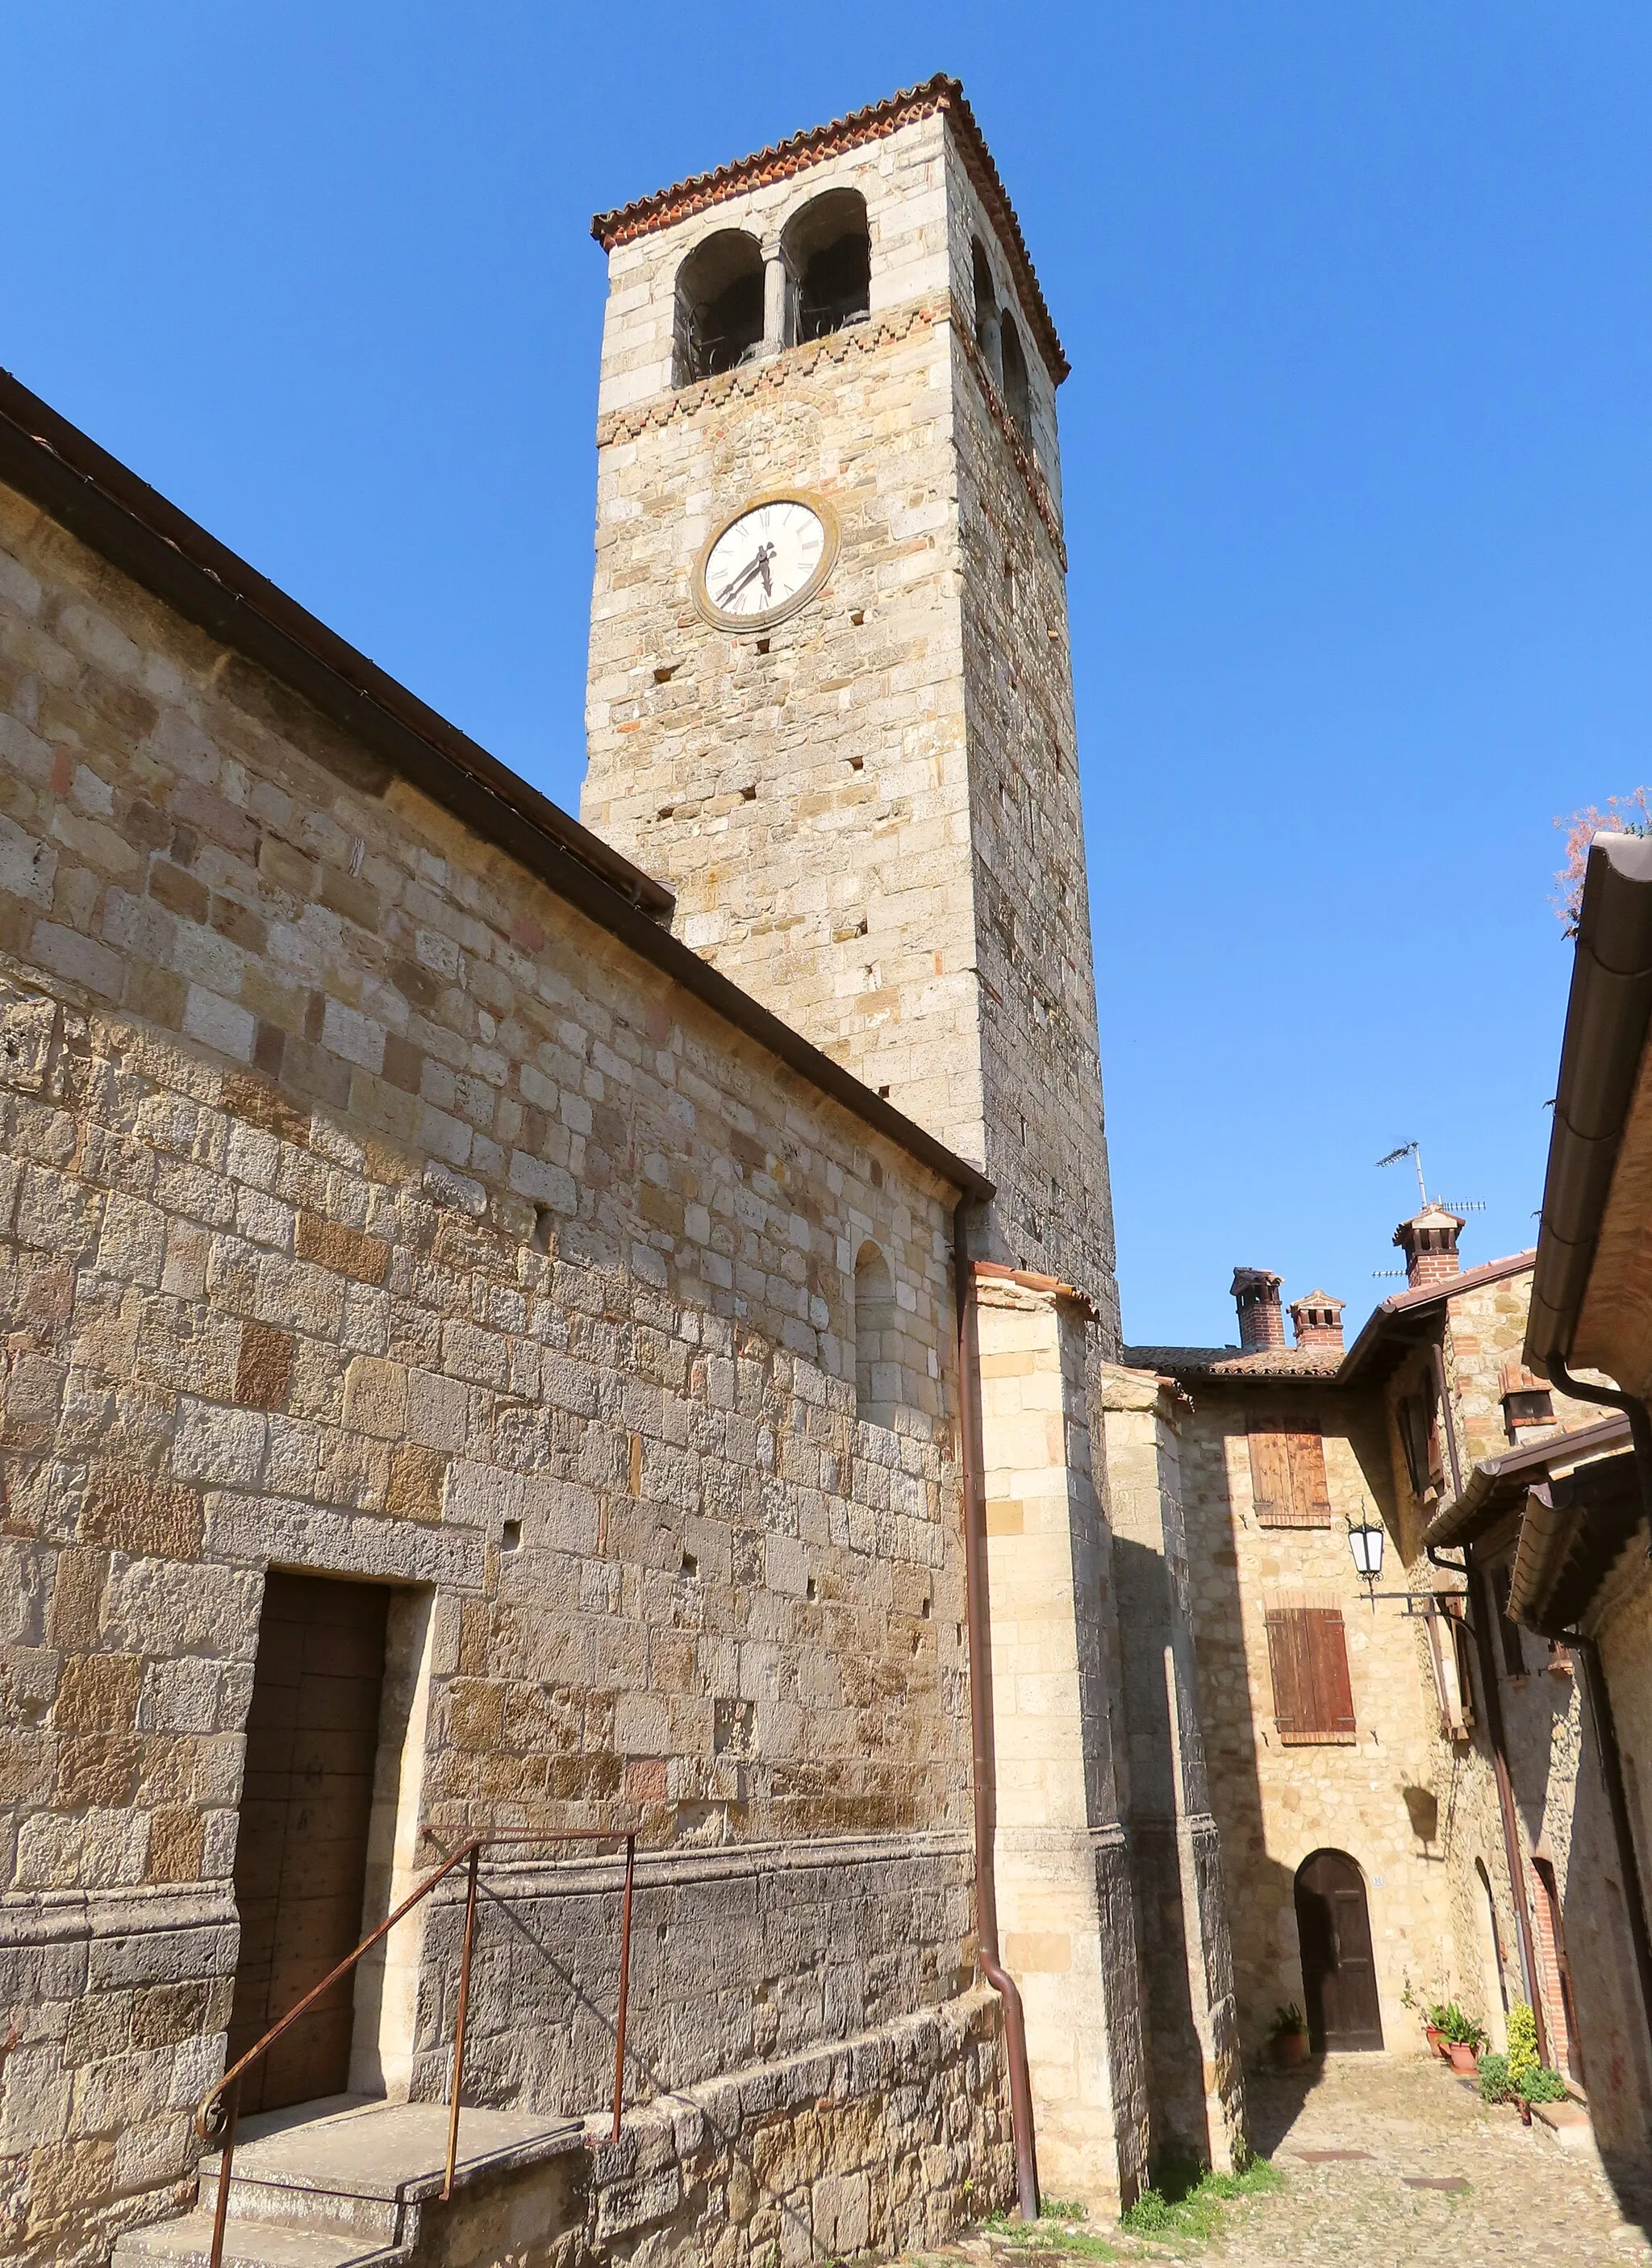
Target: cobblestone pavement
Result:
[1526, 2199]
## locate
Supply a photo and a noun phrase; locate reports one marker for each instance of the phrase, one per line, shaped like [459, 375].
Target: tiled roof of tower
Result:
[782, 160]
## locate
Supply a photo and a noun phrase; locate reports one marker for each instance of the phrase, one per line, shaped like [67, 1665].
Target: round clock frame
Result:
[758, 625]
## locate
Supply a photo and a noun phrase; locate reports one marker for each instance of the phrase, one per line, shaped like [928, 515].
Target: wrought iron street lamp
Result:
[1366, 1542]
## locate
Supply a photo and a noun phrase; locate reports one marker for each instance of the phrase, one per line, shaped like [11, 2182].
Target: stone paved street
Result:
[1527, 2197]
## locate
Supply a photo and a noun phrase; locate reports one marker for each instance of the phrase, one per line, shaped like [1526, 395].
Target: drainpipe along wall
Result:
[981, 1721]
[1480, 1611]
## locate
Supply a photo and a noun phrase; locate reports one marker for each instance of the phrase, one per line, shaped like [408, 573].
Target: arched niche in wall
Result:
[1017, 388]
[877, 1340]
[986, 315]
[827, 252]
[719, 306]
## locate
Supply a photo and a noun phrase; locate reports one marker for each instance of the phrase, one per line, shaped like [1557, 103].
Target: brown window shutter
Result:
[1287, 1467]
[1269, 1466]
[1288, 1664]
[1333, 1696]
[1310, 1498]
[1307, 1657]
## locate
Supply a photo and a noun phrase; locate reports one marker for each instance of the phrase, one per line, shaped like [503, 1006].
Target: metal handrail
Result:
[220, 2106]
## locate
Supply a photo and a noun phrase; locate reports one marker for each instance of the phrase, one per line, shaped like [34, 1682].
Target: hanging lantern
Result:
[1365, 1542]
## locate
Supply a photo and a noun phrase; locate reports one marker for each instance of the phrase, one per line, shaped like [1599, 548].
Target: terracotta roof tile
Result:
[1218, 1363]
[783, 159]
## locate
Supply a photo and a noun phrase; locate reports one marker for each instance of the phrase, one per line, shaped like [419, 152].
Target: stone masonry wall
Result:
[869, 811]
[364, 1210]
[1044, 1142]
[1275, 1804]
[1192, 2015]
[1067, 1892]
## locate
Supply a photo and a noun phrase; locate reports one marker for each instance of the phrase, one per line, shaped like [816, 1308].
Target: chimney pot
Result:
[1256, 1293]
[1317, 1320]
[1429, 1242]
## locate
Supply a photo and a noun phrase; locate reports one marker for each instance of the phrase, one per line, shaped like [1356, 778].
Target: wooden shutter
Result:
[1287, 1467]
[1270, 1467]
[1293, 1677]
[1310, 1498]
[1333, 1696]
[1308, 1656]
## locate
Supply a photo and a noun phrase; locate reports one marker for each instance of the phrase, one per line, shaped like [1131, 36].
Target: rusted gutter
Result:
[1608, 1016]
[1480, 1598]
[973, 1460]
[1482, 1608]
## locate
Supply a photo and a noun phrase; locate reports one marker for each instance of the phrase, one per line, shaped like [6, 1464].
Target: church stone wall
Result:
[364, 1210]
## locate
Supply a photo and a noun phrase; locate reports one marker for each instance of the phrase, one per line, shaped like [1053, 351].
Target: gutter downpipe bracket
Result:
[981, 1724]
[1613, 1397]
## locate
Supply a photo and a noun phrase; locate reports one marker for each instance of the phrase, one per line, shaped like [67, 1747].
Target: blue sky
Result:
[1357, 475]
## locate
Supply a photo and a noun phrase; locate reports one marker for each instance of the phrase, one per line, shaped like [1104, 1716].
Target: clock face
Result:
[765, 562]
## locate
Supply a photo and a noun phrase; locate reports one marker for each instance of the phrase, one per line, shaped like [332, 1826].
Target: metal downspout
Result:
[1481, 1595]
[972, 1460]
[1481, 1600]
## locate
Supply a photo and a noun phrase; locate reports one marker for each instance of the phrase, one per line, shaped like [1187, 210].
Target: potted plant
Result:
[1464, 2039]
[1288, 2037]
[1433, 2028]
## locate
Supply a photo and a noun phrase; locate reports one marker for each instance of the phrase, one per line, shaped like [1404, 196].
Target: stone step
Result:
[186, 2242]
[354, 2162]
[337, 2184]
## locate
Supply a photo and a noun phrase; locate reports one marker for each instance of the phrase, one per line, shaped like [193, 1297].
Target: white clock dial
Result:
[763, 559]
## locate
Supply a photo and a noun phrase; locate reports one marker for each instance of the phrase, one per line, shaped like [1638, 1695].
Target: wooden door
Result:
[306, 1803]
[1339, 1970]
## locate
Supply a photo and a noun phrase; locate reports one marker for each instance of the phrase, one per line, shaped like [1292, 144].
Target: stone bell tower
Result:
[830, 692]
[830, 701]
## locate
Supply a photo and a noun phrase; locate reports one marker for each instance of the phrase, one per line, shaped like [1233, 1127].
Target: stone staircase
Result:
[351, 2184]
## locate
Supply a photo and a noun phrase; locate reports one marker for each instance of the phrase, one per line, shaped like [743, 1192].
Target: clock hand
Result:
[764, 558]
[741, 581]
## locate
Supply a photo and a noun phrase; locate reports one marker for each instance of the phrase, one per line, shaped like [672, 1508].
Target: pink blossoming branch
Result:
[1624, 815]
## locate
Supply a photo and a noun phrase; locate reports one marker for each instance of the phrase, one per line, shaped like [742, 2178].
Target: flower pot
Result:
[1288, 2050]
[1432, 2034]
[1462, 2058]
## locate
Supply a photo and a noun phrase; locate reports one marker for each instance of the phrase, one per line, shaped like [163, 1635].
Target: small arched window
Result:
[877, 1342]
[986, 330]
[828, 249]
[1017, 393]
[719, 306]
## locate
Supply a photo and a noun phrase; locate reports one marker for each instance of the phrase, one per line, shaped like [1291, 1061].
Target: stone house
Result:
[1557, 1530]
[1354, 1728]
[516, 1328]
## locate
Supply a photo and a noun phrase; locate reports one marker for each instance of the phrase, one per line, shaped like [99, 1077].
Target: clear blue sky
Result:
[1358, 473]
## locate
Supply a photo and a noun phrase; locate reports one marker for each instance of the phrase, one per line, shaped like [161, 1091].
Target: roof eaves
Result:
[1384, 1326]
[104, 503]
[1231, 1364]
[1497, 1483]
[780, 160]
[1607, 1013]
[107, 507]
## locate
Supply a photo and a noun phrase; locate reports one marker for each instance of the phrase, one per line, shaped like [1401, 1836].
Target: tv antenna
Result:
[1413, 1151]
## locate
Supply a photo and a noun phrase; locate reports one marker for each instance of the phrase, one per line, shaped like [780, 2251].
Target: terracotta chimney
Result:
[1429, 1242]
[1316, 1319]
[1261, 1317]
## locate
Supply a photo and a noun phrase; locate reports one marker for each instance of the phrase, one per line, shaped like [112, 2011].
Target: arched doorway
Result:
[1333, 1928]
